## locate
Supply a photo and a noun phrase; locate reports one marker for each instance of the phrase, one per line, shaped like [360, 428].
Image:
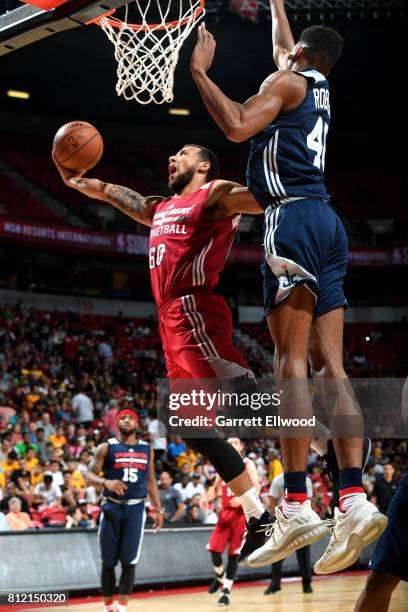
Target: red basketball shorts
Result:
[229, 530]
[196, 331]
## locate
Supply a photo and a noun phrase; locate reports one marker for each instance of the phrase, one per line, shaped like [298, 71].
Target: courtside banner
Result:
[247, 408]
[72, 238]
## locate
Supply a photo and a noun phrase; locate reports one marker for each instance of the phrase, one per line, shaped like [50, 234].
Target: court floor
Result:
[331, 594]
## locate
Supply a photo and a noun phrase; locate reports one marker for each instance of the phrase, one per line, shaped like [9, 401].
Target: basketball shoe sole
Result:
[353, 530]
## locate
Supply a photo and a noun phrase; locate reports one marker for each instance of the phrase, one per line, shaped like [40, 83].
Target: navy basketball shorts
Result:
[121, 533]
[391, 551]
[305, 243]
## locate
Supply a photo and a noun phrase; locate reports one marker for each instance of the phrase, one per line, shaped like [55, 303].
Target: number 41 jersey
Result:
[286, 159]
[130, 464]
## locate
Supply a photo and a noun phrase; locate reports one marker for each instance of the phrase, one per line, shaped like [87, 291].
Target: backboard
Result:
[22, 24]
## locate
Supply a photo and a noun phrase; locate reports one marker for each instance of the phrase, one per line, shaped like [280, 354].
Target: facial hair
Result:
[182, 180]
[127, 432]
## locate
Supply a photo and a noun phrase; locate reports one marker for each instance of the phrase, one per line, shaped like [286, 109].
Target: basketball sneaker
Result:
[223, 599]
[255, 535]
[351, 532]
[271, 589]
[288, 535]
[216, 584]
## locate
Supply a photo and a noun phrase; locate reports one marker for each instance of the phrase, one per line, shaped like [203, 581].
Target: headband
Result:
[126, 411]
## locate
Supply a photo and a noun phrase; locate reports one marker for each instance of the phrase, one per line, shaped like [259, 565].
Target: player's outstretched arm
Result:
[282, 91]
[282, 37]
[130, 202]
[228, 198]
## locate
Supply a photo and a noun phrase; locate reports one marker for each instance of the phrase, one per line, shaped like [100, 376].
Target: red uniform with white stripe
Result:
[187, 253]
[230, 526]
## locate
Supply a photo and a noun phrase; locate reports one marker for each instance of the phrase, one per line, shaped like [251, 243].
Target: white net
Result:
[147, 52]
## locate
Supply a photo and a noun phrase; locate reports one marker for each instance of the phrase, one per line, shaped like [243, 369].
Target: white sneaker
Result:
[353, 530]
[288, 535]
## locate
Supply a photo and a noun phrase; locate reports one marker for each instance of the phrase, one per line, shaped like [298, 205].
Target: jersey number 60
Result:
[156, 255]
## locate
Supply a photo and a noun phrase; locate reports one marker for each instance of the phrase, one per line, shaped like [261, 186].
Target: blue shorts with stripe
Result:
[391, 551]
[305, 243]
[121, 533]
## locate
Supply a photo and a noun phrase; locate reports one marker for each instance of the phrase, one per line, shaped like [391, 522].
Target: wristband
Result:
[160, 511]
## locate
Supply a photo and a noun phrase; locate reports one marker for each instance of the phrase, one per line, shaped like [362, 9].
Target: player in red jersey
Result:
[191, 234]
[229, 529]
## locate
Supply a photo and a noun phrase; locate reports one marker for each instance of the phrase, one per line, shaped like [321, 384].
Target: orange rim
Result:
[117, 23]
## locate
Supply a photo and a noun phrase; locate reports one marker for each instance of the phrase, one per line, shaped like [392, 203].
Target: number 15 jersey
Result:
[286, 159]
[130, 464]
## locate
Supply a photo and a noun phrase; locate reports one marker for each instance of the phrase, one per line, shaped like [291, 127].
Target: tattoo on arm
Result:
[132, 203]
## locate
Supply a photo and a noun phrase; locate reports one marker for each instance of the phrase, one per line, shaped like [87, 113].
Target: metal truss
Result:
[261, 6]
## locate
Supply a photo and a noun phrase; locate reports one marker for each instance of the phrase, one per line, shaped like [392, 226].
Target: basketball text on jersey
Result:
[187, 250]
[130, 464]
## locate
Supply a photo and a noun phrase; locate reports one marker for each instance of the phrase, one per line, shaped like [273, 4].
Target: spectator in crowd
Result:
[45, 424]
[74, 517]
[47, 493]
[170, 499]
[16, 519]
[384, 489]
[192, 516]
[195, 487]
[109, 418]
[31, 459]
[11, 491]
[84, 459]
[58, 439]
[369, 479]
[182, 487]
[10, 464]
[158, 440]
[84, 408]
[5, 447]
[176, 448]
[4, 526]
[56, 473]
[275, 465]
[77, 480]
[24, 444]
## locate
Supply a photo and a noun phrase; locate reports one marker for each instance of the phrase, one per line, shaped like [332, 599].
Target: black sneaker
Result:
[216, 584]
[333, 470]
[224, 598]
[255, 536]
[272, 588]
[307, 588]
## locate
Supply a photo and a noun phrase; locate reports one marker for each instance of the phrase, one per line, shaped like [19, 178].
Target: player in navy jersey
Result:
[306, 252]
[127, 468]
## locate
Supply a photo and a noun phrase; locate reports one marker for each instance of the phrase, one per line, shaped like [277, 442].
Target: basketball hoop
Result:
[147, 53]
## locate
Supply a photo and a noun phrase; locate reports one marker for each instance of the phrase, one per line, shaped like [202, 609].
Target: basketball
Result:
[78, 146]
